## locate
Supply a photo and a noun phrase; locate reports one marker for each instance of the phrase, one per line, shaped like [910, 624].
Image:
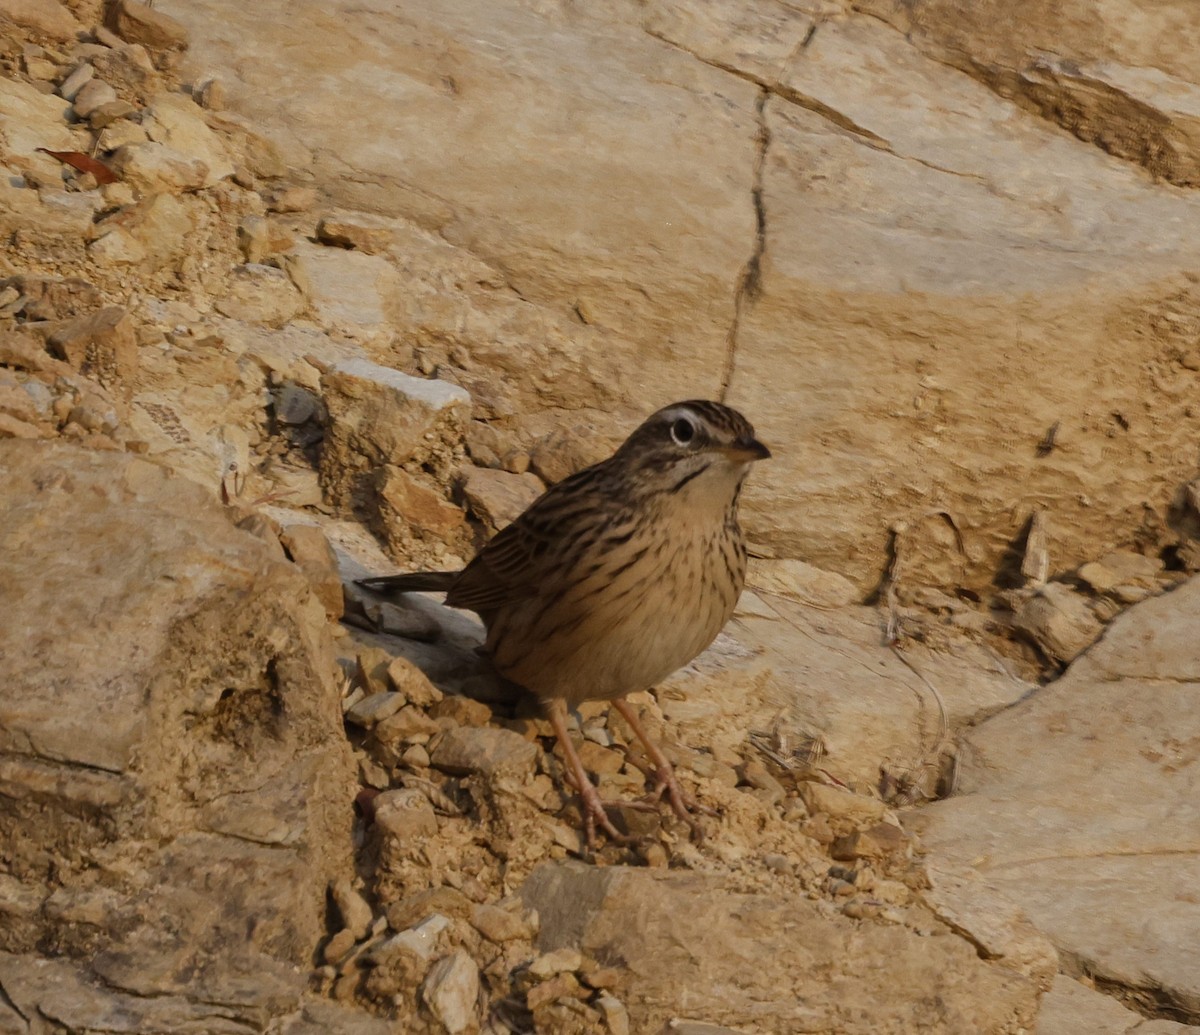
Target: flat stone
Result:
[1058, 620]
[487, 751]
[138, 23]
[154, 167]
[410, 681]
[75, 82]
[374, 708]
[498, 497]
[405, 815]
[450, 991]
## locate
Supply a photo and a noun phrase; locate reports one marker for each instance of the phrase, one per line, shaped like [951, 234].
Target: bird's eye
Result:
[683, 431]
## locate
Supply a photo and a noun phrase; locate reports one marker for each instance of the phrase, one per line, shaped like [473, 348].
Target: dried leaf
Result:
[84, 163]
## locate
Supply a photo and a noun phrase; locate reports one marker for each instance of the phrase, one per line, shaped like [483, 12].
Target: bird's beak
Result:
[746, 450]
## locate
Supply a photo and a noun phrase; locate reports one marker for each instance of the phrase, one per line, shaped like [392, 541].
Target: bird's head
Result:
[695, 450]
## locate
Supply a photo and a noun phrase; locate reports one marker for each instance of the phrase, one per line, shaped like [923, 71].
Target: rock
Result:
[405, 815]
[398, 620]
[379, 417]
[1121, 567]
[96, 94]
[450, 991]
[1028, 800]
[290, 198]
[421, 939]
[555, 962]
[353, 909]
[179, 745]
[412, 683]
[52, 298]
[500, 924]
[102, 345]
[487, 751]
[374, 708]
[803, 582]
[616, 1017]
[409, 506]
[174, 120]
[309, 548]
[338, 945]
[117, 247]
[49, 17]
[359, 231]
[463, 710]
[155, 168]
[261, 294]
[1058, 620]
[351, 293]
[840, 803]
[14, 427]
[75, 82]
[877, 842]
[738, 947]
[138, 23]
[497, 497]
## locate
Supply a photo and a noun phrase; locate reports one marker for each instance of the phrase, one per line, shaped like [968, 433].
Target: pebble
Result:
[561, 986]
[497, 497]
[757, 776]
[550, 963]
[487, 751]
[104, 115]
[75, 82]
[415, 757]
[463, 710]
[600, 760]
[498, 924]
[405, 815]
[616, 1017]
[353, 909]
[94, 95]
[838, 802]
[372, 710]
[420, 939]
[412, 683]
[451, 989]
[876, 842]
[337, 946]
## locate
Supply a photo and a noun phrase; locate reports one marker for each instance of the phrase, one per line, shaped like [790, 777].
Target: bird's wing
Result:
[538, 548]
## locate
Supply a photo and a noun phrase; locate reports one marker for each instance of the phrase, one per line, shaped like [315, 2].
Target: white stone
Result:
[451, 990]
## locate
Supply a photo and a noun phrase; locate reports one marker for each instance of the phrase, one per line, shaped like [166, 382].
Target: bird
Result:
[614, 578]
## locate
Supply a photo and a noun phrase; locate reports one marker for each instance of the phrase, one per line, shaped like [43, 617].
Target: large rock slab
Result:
[170, 740]
[891, 266]
[690, 945]
[1080, 804]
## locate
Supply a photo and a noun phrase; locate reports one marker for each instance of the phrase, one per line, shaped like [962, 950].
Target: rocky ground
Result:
[252, 348]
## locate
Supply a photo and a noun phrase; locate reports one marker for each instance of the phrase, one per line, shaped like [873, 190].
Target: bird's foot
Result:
[682, 804]
[595, 812]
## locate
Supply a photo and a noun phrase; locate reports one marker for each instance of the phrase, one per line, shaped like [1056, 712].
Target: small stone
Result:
[655, 856]
[877, 842]
[420, 939]
[412, 503]
[757, 775]
[500, 925]
[409, 721]
[498, 497]
[415, 757]
[614, 1012]
[840, 803]
[451, 989]
[372, 775]
[1058, 620]
[290, 199]
[463, 710]
[102, 345]
[95, 94]
[156, 168]
[13, 427]
[103, 115]
[254, 240]
[76, 81]
[405, 815]
[358, 234]
[353, 909]
[559, 961]
[309, 549]
[210, 95]
[488, 751]
[561, 986]
[600, 760]
[374, 708]
[450, 902]
[117, 248]
[410, 681]
[137, 23]
[337, 946]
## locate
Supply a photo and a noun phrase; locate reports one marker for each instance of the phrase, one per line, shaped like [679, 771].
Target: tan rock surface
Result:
[171, 756]
[1080, 805]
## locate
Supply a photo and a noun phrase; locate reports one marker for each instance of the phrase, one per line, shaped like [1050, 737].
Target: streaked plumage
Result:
[621, 573]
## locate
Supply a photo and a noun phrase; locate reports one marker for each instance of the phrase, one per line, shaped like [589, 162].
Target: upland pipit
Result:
[615, 577]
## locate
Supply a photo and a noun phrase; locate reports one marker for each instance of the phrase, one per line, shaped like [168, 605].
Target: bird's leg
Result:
[593, 805]
[664, 773]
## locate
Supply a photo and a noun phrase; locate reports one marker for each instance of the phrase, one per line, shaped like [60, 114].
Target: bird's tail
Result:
[410, 582]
